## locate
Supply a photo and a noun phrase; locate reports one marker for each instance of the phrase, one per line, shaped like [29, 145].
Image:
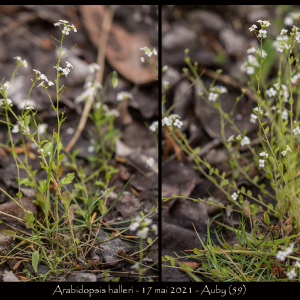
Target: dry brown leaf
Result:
[123, 48]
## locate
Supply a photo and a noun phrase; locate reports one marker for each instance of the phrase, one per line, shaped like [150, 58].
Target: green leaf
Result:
[35, 260]
[30, 220]
[47, 148]
[267, 130]
[68, 179]
[66, 199]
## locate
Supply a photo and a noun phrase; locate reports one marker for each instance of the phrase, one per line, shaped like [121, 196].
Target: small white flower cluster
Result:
[16, 127]
[66, 28]
[286, 150]
[153, 127]
[235, 195]
[90, 90]
[295, 78]
[23, 62]
[41, 76]
[296, 130]
[108, 112]
[231, 138]
[262, 161]
[93, 67]
[150, 162]
[27, 104]
[245, 141]
[253, 118]
[143, 225]
[285, 114]
[290, 18]
[64, 71]
[281, 255]
[172, 120]
[148, 52]
[5, 86]
[285, 43]
[215, 92]
[6, 102]
[257, 51]
[251, 63]
[124, 96]
[261, 33]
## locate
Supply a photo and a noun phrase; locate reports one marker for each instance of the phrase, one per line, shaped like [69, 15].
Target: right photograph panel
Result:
[230, 143]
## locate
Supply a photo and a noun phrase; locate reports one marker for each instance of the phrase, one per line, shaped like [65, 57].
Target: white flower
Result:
[135, 266]
[261, 163]
[69, 65]
[15, 129]
[166, 121]
[153, 127]
[58, 69]
[263, 153]
[17, 58]
[271, 92]
[288, 148]
[253, 118]
[231, 138]
[142, 59]
[74, 28]
[250, 70]
[283, 153]
[283, 31]
[281, 255]
[150, 162]
[245, 141]
[24, 62]
[66, 71]
[288, 20]
[42, 128]
[93, 67]
[234, 196]
[292, 274]
[213, 97]
[50, 83]
[113, 112]
[262, 33]
[285, 115]
[154, 51]
[70, 130]
[178, 123]
[124, 96]
[252, 27]
[9, 102]
[146, 222]
[41, 84]
[297, 264]
[63, 21]
[296, 130]
[29, 103]
[43, 76]
[6, 85]
[166, 84]
[143, 233]
[91, 149]
[154, 228]
[36, 71]
[134, 226]
[147, 51]
[56, 24]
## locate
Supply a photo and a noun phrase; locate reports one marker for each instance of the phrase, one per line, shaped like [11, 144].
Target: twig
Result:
[106, 25]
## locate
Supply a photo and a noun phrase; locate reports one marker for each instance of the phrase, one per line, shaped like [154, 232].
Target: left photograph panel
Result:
[79, 143]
